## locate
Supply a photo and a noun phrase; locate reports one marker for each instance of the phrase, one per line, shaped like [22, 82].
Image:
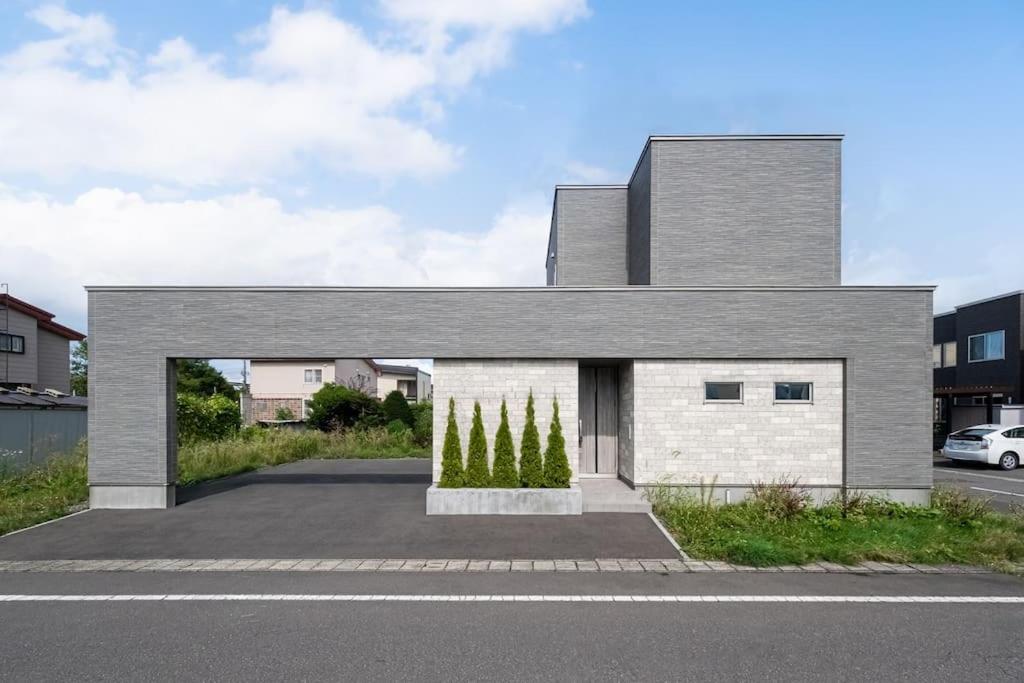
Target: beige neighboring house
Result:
[289, 384]
[415, 384]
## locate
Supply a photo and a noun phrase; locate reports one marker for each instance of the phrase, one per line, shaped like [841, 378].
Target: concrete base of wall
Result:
[157, 496]
[505, 501]
[819, 495]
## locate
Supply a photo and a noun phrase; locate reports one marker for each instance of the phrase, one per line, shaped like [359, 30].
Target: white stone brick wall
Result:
[679, 438]
[488, 381]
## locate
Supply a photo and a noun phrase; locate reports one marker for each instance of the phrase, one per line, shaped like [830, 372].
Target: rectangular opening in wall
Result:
[794, 392]
[723, 392]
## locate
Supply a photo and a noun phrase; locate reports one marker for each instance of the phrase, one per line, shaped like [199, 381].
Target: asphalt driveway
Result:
[330, 509]
[1001, 489]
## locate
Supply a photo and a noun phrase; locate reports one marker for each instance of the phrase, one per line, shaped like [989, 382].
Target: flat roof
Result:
[536, 289]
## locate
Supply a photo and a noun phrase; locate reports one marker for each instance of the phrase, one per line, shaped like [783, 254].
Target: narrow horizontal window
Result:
[986, 346]
[794, 391]
[723, 391]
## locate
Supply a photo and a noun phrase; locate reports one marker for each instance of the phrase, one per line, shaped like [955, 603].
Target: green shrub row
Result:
[206, 417]
[335, 407]
[550, 471]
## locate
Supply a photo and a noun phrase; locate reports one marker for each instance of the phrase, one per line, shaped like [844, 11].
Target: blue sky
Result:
[397, 142]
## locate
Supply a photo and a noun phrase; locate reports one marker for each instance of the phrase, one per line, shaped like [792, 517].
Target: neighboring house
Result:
[977, 360]
[695, 332]
[290, 384]
[35, 351]
[414, 383]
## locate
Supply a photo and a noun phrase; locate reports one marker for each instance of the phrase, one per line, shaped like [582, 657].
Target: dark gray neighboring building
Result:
[694, 332]
[978, 361]
[35, 350]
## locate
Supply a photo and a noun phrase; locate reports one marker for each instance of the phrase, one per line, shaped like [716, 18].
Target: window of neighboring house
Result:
[937, 356]
[793, 392]
[731, 392]
[314, 377]
[12, 343]
[949, 354]
[987, 346]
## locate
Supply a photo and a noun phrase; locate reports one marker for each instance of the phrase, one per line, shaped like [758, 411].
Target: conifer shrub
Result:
[477, 474]
[505, 475]
[556, 463]
[396, 407]
[531, 468]
[452, 474]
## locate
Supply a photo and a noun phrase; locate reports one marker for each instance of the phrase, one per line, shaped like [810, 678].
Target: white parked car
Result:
[993, 444]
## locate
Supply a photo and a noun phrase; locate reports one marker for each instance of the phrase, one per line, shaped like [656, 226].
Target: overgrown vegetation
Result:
[284, 413]
[60, 485]
[777, 525]
[423, 424]
[505, 475]
[334, 407]
[206, 417]
[477, 474]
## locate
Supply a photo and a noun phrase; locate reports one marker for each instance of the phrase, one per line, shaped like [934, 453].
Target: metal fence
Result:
[28, 436]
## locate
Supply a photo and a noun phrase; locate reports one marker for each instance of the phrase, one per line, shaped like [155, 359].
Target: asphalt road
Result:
[1002, 489]
[261, 640]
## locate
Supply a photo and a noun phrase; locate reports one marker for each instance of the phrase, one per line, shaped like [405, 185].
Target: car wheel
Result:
[1009, 461]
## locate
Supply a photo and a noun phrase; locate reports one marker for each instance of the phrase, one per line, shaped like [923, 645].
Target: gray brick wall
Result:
[882, 334]
[639, 228]
[591, 236]
[745, 212]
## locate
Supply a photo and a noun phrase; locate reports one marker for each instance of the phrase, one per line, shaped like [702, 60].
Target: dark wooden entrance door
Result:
[599, 420]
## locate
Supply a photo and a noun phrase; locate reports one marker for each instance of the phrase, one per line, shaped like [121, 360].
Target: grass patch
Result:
[255, 447]
[778, 526]
[61, 484]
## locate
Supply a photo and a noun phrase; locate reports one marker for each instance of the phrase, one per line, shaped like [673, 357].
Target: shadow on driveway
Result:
[332, 509]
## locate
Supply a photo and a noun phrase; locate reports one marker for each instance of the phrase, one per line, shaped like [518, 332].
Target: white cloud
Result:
[108, 236]
[982, 273]
[310, 86]
[589, 174]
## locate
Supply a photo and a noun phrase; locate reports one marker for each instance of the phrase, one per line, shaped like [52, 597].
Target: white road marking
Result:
[49, 521]
[1002, 493]
[956, 473]
[350, 597]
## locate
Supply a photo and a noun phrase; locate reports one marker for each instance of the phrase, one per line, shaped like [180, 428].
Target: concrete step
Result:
[612, 495]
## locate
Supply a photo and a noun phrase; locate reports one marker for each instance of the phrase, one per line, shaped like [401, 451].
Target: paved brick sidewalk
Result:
[445, 565]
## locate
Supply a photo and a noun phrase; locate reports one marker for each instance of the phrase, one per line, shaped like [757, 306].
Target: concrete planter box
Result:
[505, 501]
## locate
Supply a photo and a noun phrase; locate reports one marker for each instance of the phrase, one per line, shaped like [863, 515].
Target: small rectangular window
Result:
[949, 354]
[12, 343]
[936, 356]
[793, 391]
[986, 346]
[314, 376]
[723, 391]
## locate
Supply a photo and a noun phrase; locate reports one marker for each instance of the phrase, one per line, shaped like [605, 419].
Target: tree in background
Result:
[423, 423]
[505, 475]
[556, 464]
[477, 474]
[202, 379]
[452, 475]
[396, 407]
[80, 368]
[335, 407]
[284, 413]
[206, 418]
[531, 469]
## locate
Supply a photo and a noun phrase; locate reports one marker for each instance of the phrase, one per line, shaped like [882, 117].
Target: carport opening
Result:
[234, 416]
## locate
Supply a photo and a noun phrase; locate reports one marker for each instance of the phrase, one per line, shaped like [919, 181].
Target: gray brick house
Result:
[694, 330]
